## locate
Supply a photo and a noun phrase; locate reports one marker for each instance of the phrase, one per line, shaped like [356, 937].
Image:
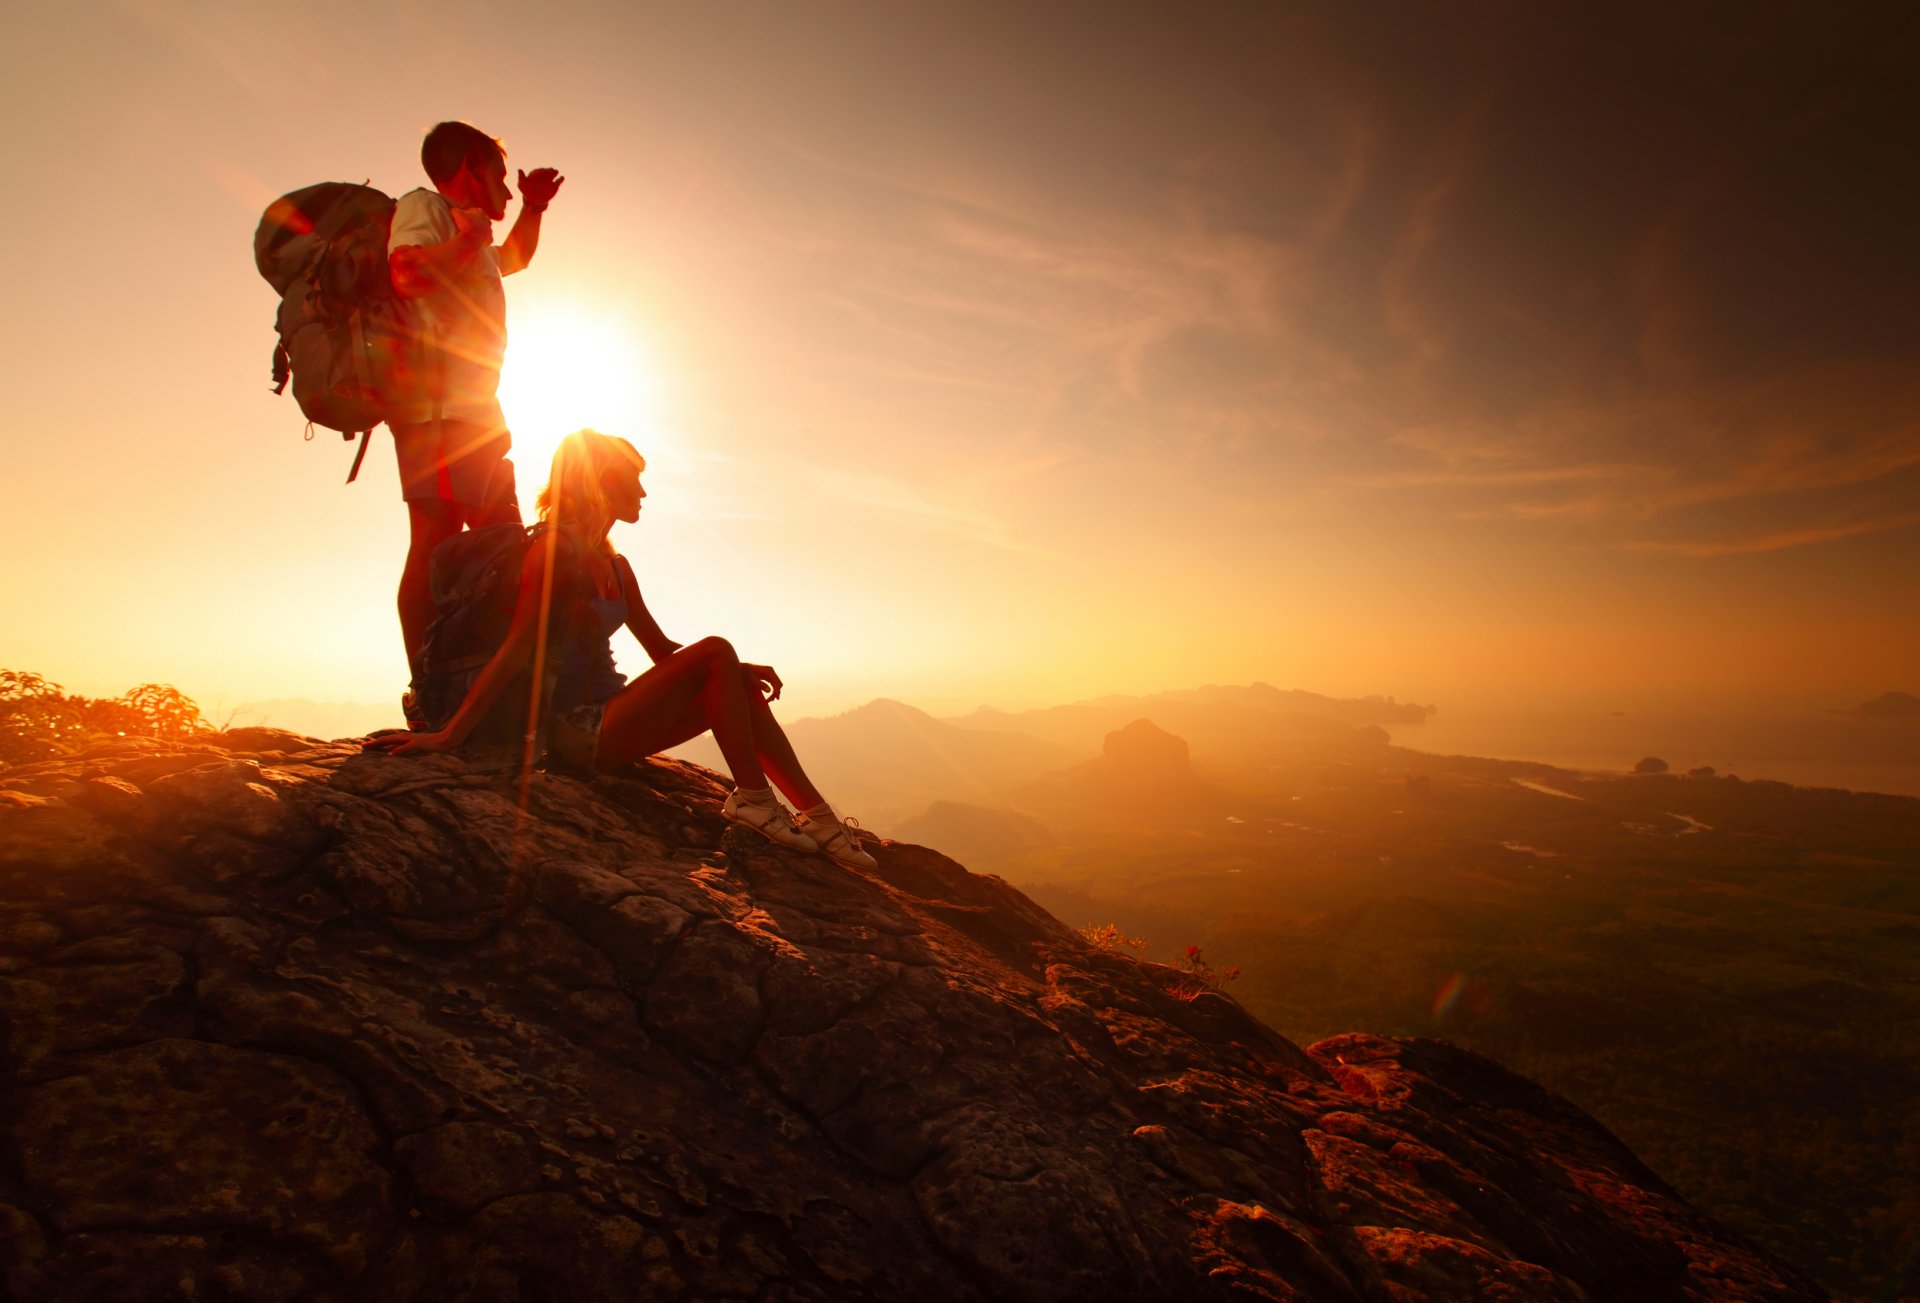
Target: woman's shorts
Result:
[573, 737]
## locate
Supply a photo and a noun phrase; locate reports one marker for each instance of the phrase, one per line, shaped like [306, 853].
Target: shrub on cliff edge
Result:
[40, 720]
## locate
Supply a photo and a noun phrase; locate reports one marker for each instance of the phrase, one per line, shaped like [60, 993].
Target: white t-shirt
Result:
[464, 319]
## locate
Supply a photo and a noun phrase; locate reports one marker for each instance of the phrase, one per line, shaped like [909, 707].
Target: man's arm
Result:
[417, 268]
[537, 189]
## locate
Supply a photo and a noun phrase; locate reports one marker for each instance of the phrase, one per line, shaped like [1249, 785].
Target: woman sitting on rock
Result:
[596, 719]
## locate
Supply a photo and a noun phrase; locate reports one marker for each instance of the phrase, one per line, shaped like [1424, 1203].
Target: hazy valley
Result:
[1723, 970]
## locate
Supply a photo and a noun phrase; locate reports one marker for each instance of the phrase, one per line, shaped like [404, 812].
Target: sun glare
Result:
[567, 368]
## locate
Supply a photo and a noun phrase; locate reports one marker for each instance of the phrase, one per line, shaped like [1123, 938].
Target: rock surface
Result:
[281, 1020]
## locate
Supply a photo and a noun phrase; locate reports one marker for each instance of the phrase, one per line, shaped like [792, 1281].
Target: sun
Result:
[569, 367]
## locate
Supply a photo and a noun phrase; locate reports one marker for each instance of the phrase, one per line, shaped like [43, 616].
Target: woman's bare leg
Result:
[701, 681]
[637, 732]
[776, 755]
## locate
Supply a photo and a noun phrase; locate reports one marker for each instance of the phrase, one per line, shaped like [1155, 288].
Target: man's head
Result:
[468, 166]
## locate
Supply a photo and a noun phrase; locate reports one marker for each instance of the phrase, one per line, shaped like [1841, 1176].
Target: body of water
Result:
[1807, 748]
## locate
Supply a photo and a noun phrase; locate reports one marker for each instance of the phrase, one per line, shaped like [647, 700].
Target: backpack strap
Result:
[360, 456]
[366, 383]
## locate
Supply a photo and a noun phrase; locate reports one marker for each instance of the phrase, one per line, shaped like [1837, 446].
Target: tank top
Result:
[586, 676]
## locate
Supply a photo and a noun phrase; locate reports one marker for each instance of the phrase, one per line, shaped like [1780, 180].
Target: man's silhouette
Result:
[452, 443]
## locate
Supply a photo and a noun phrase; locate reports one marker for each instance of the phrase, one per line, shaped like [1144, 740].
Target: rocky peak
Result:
[888, 709]
[279, 1019]
[1890, 705]
[1145, 750]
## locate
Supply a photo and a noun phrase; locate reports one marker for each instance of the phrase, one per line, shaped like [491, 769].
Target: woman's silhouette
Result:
[595, 718]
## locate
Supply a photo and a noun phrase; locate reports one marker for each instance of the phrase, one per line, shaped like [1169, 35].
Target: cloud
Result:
[1803, 461]
[1777, 541]
[1455, 265]
[912, 504]
[1443, 174]
[1809, 442]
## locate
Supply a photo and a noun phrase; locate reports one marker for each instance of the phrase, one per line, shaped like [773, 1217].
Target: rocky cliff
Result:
[281, 1020]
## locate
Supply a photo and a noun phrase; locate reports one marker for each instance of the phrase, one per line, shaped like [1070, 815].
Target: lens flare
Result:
[569, 368]
[1447, 998]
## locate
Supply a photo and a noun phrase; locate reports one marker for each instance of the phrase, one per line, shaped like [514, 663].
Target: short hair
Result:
[450, 144]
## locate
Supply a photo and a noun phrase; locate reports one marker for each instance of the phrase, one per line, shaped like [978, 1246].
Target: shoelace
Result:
[850, 829]
[775, 814]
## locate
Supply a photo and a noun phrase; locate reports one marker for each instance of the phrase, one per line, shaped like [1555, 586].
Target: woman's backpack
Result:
[346, 341]
[475, 580]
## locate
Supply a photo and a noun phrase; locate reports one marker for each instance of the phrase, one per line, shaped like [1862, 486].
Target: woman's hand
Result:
[763, 680]
[409, 744]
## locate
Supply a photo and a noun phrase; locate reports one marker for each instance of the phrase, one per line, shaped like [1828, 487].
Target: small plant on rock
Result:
[1109, 937]
[1197, 976]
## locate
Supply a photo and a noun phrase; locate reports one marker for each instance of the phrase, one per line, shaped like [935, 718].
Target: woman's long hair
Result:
[573, 498]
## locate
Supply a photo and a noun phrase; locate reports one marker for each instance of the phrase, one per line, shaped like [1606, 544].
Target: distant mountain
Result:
[984, 835]
[1142, 779]
[1889, 705]
[1144, 755]
[1384, 711]
[885, 761]
[1142, 776]
[1222, 723]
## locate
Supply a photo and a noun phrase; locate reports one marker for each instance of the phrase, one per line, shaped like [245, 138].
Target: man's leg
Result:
[480, 476]
[432, 521]
[451, 474]
[500, 503]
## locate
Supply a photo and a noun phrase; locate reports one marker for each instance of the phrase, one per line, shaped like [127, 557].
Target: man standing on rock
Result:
[452, 444]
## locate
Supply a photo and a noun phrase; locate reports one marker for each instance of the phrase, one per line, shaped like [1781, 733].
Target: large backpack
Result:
[345, 338]
[475, 581]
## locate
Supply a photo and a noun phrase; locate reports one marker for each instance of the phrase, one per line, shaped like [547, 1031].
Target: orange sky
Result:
[1013, 353]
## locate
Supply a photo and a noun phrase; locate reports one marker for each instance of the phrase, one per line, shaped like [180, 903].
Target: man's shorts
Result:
[457, 461]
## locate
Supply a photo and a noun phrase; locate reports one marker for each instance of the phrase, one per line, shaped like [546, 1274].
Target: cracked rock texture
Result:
[281, 1020]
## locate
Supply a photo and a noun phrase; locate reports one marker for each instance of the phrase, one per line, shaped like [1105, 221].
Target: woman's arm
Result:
[512, 657]
[640, 621]
[760, 678]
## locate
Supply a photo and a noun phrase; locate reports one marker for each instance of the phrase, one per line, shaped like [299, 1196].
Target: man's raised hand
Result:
[538, 187]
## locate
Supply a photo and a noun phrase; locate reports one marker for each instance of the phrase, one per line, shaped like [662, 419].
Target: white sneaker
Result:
[837, 837]
[768, 818]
